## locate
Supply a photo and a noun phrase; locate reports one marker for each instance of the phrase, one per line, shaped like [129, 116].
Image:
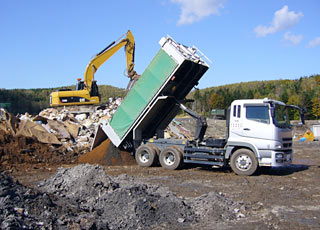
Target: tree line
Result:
[304, 92]
[34, 100]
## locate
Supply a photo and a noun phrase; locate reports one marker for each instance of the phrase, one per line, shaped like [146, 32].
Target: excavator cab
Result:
[94, 90]
[80, 84]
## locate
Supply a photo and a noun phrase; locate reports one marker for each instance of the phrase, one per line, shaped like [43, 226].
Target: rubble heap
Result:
[59, 135]
[25, 208]
[124, 202]
[54, 131]
[84, 197]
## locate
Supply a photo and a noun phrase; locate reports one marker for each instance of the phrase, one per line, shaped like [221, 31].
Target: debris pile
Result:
[84, 197]
[61, 135]
[124, 202]
[25, 208]
[63, 132]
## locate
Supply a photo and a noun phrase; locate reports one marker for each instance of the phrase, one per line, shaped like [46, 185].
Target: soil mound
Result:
[124, 202]
[84, 197]
[21, 149]
[107, 154]
[24, 208]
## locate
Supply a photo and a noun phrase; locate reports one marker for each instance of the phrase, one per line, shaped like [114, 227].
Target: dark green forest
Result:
[304, 92]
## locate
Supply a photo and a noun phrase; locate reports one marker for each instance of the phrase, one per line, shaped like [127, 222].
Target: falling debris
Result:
[107, 154]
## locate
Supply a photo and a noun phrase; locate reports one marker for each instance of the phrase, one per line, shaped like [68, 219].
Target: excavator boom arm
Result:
[106, 53]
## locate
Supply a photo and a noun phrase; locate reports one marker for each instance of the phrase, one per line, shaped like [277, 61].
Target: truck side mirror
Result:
[272, 109]
[301, 112]
[302, 116]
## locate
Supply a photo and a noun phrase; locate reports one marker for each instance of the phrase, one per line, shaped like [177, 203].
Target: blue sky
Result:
[46, 44]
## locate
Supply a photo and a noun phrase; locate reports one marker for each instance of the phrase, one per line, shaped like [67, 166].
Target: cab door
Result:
[235, 126]
[257, 123]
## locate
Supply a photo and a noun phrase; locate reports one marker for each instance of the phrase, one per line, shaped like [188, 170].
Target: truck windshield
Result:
[281, 117]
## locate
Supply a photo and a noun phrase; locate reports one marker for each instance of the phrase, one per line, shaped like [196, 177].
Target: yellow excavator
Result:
[86, 92]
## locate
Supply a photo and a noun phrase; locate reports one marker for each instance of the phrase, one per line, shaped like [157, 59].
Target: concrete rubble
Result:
[58, 126]
[70, 129]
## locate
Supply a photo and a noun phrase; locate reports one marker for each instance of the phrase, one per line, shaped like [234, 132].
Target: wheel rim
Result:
[144, 156]
[243, 162]
[169, 158]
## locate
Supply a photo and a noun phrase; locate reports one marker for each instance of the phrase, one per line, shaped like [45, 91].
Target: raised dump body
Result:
[151, 103]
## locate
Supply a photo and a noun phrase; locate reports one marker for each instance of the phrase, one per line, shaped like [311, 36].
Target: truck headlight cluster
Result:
[278, 146]
[279, 157]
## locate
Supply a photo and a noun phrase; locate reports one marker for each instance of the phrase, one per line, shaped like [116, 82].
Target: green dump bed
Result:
[151, 103]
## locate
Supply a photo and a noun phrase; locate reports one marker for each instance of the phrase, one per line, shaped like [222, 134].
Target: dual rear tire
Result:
[170, 157]
[147, 155]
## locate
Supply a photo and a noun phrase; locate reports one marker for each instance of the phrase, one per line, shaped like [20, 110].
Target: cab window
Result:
[258, 113]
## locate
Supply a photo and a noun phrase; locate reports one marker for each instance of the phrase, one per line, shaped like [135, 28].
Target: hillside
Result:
[304, 92]
[35, 100]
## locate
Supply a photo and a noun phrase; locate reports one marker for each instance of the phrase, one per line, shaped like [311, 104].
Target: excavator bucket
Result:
[103, 152]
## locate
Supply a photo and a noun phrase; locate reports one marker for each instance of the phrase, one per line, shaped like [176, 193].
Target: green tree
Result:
[316, 107]
[216, 101]
[294, 100]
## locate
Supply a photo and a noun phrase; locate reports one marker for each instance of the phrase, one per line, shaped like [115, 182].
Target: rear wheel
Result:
[146, 155]
[244, 162]
[171, 157]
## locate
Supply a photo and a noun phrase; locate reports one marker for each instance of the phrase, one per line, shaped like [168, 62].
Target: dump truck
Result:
[258, 130]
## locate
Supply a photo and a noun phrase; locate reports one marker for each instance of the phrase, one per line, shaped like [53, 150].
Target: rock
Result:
[88, 124]
[32, 129]
[61, 131]
[83, 139]
[73, 128]
[81, 117]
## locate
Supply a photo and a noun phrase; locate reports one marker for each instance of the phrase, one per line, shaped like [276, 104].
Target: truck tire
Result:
[243, 162]
[171, 158]
[146, 155]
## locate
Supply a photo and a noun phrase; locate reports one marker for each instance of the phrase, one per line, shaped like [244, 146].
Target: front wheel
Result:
[243, 162]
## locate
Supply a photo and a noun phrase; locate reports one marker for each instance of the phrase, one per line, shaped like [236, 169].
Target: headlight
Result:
[279, 156]
[278, 145]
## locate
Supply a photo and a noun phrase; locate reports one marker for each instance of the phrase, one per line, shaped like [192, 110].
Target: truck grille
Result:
[287, 145]
[287, 139]
[287, 142]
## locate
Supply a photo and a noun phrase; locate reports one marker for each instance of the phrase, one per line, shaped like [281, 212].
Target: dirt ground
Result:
[274, 198]
[277, 198]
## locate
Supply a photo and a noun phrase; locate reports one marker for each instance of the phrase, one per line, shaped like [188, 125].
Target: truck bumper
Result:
[276, 158]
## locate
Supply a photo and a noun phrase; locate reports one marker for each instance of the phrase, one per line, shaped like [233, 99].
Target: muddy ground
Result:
[277, 198]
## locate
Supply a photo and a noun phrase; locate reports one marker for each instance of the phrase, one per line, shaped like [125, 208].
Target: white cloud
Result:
[195, 10]
[314, 42]
[294, 39]
[283, 19]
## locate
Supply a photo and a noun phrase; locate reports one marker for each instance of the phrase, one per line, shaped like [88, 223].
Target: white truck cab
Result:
[261, 126]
